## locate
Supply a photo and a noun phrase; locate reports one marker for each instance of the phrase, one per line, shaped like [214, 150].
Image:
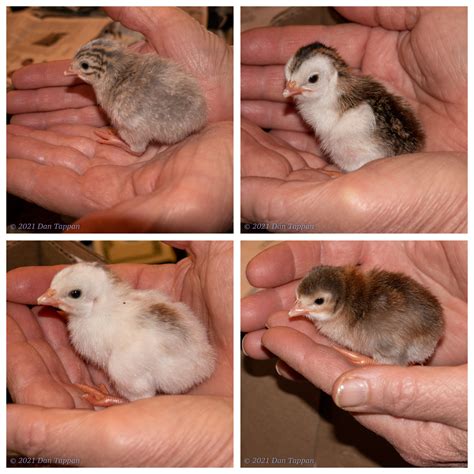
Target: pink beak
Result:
[48, 298]
[70, 71]
[297, 310]
[291, 89]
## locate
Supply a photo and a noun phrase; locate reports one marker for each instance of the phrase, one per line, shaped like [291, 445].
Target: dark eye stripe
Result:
[96, 53]
[95, 58]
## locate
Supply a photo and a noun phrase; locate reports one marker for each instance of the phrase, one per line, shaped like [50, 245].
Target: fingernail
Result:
[243, 350]
[286, 372]
[352, 393]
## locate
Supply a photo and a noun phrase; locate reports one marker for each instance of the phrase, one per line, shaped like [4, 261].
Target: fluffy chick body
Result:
[147, 98]
[145, 342]
[355, 118]
[387, 316]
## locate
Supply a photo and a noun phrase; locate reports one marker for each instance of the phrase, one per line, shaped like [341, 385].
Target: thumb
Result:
[171, 31]
[436, 394]
[64, 436]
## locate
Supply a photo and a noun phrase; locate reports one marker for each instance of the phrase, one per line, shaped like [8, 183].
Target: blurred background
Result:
[28, 253]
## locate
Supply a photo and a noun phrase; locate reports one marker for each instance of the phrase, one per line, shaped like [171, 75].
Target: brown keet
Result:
[387, 316]
[147, 98]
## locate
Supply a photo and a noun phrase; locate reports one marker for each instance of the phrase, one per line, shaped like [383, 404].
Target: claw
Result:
[108, 136]
[99, 397]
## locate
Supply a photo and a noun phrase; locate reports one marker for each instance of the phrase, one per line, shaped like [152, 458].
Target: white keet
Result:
[145, 342]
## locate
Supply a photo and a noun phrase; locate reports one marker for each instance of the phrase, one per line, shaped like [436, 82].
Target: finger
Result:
[417, 393]
[275, 45]
[26, 284]
[82, 145]
[321, 365]
[50, 74]
[280, 203]
[34, 372]
[40, 184]
[254, 162]
[390, 18]
[53, 433]
[302, 141]
[279, 115]
[252, 346]
[265, 154]
[262, 83]
[290, 261]
[315, 205]
[257, 308]
[50, 98]
[301, 324]
[40, 150]
[164, 28]
[285, 371]
[64, 191]
[284, 263]
[91, 115]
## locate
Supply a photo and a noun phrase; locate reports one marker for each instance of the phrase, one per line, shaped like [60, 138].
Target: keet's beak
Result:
[297, 310]
[70, 71]
[292, 89]
[49, 298]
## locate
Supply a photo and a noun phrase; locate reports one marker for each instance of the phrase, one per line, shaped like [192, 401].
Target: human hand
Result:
[395, 46]
[191, 429]
[62, 168]
[281, 185]
[400, 403]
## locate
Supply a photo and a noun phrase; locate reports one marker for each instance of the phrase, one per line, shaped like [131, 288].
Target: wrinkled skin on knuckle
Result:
[401, 394]
[34, 436]
[433, 444]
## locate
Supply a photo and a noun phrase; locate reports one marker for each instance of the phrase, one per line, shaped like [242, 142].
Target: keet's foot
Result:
[331, 173]
[354, 357]
[100, 396]
[108, 136]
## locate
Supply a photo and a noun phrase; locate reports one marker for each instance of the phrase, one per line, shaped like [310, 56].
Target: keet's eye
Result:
[314, 78]
[319, 300]
[75, 294]
[85, 66]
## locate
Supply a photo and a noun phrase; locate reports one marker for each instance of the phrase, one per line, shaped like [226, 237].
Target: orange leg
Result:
[354, 357]
[100, 396]
[331, 173]
[108, 136]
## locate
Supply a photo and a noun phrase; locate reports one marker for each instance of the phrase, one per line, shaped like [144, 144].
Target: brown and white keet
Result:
[354, 117]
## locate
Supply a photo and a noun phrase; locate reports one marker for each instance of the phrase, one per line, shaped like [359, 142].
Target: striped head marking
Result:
[313, 71]
[93, 60]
